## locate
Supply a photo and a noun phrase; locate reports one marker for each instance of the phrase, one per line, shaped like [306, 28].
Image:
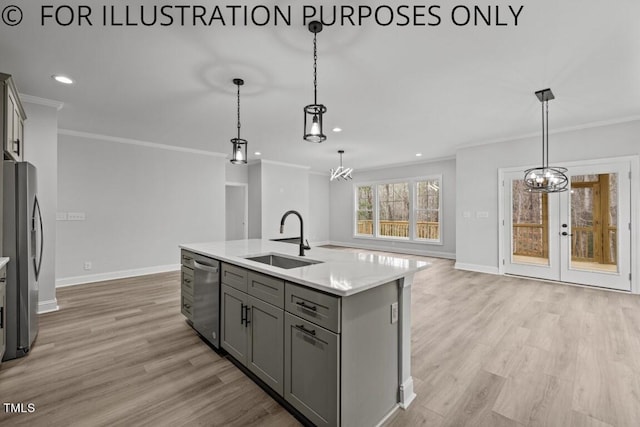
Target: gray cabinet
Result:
[252, 329]
[312, 357]
[233, 328]
[13, 117]
[3, 315]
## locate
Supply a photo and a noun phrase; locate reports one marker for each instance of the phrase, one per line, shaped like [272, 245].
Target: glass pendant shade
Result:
[239, 153]
[546, 179]
[313, 123]
[313, 112]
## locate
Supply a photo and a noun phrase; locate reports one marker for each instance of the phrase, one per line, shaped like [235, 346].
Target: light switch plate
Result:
[466, 214]
[482, 214]
[76, 216]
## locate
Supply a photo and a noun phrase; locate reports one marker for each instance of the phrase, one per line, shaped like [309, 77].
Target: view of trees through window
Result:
[594, 219]
[395, 202]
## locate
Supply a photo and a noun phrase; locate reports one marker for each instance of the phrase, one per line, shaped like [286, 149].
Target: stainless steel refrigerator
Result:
[22, 243]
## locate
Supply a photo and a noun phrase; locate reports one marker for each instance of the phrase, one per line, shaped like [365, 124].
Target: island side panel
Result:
[406, 380]
[370, 388]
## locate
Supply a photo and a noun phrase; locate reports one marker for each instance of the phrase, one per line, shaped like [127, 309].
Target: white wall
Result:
[255, 200]
[477, 177]
[140, 202]
[284, 187]
[236, 173]
[319, 208]
[342, 208]
[41, 146]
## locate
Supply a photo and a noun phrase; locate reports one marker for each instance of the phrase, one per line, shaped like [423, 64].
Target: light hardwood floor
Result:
[487, 351]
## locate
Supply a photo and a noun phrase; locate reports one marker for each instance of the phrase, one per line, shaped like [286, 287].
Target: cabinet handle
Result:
[187, 259]
[187, 306]
[16, 144]
[1, 317]
[305, 330]
[187, 280]
[243, 314]
[308, 307]
[246, 316]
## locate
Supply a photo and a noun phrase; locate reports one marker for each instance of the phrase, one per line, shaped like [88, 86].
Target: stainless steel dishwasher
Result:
[206, 298]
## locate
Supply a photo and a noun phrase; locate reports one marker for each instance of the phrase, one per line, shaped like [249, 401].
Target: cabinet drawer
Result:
[268, 289]
[186, 258]
[235, 277]
[314, 306]
[187, 280]
[187, 306]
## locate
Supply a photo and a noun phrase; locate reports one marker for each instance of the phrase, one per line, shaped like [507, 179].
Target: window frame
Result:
[412, 182]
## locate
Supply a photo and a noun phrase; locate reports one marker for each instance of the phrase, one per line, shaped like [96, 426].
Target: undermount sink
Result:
[282, 261]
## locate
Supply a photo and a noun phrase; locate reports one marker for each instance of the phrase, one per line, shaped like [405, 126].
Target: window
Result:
[364, 210]
[428, 209]
[408, 209]
[393, 209]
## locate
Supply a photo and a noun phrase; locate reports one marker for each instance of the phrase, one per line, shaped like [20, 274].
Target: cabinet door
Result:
[3, 317]
[233, 330]
[9, 120]
[18, 134]
[266, 343]
[311, 363]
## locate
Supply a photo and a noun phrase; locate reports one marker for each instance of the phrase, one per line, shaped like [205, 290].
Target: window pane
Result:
[393, 208]
[365, 210]
[427, 209]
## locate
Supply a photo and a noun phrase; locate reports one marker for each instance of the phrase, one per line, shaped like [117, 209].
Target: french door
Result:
[579, 236]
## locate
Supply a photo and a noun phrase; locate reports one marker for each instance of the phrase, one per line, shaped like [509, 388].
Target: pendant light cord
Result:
[238, 111]
[547, 132]
[543, 138]
[315, 70]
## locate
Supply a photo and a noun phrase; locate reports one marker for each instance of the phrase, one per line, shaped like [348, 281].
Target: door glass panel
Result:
[530, 232]
[594, 222]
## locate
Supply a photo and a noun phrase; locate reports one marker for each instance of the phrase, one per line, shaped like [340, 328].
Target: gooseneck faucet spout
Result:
[302, 245]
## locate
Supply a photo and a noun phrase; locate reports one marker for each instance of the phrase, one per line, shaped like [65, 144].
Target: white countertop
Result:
[3, 261]
[340, 272]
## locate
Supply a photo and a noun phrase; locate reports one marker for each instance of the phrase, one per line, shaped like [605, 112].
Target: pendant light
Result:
[239, 154]
[341, 172]
[546, 179]
[313, 112]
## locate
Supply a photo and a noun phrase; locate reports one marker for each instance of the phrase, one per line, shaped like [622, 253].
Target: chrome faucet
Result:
[302, 245]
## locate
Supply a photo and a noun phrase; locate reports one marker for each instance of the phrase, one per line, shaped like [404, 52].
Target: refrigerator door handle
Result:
[36, 208]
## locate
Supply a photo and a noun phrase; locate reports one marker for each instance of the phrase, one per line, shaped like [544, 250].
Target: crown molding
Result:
[41, 101]
[95, 136]
[291, 165]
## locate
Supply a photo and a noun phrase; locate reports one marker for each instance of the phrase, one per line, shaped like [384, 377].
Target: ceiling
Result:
[395, 90]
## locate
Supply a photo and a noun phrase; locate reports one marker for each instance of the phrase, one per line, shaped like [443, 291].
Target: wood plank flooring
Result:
[487, 351]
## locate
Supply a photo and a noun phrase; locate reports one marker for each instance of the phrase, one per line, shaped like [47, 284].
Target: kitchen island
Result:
[329, 332]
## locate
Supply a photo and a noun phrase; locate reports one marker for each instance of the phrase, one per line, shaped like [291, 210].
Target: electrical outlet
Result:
[394, 312]
[61, 216]
[87, 265]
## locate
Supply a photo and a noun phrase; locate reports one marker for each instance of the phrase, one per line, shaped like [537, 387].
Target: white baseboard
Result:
[47, 306]
[396, 250]
[477, 268]
[407, 395]
[100, 277]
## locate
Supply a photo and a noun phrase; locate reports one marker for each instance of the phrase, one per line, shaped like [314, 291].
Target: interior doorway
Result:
[236, 211]
[582, 235]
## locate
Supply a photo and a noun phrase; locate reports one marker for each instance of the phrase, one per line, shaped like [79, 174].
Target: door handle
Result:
[205, 267]
[564, 233]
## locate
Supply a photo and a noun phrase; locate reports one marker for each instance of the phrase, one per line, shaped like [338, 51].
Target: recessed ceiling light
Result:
[62, 79]
[418, 154]
[337, 129]
[257, 153]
